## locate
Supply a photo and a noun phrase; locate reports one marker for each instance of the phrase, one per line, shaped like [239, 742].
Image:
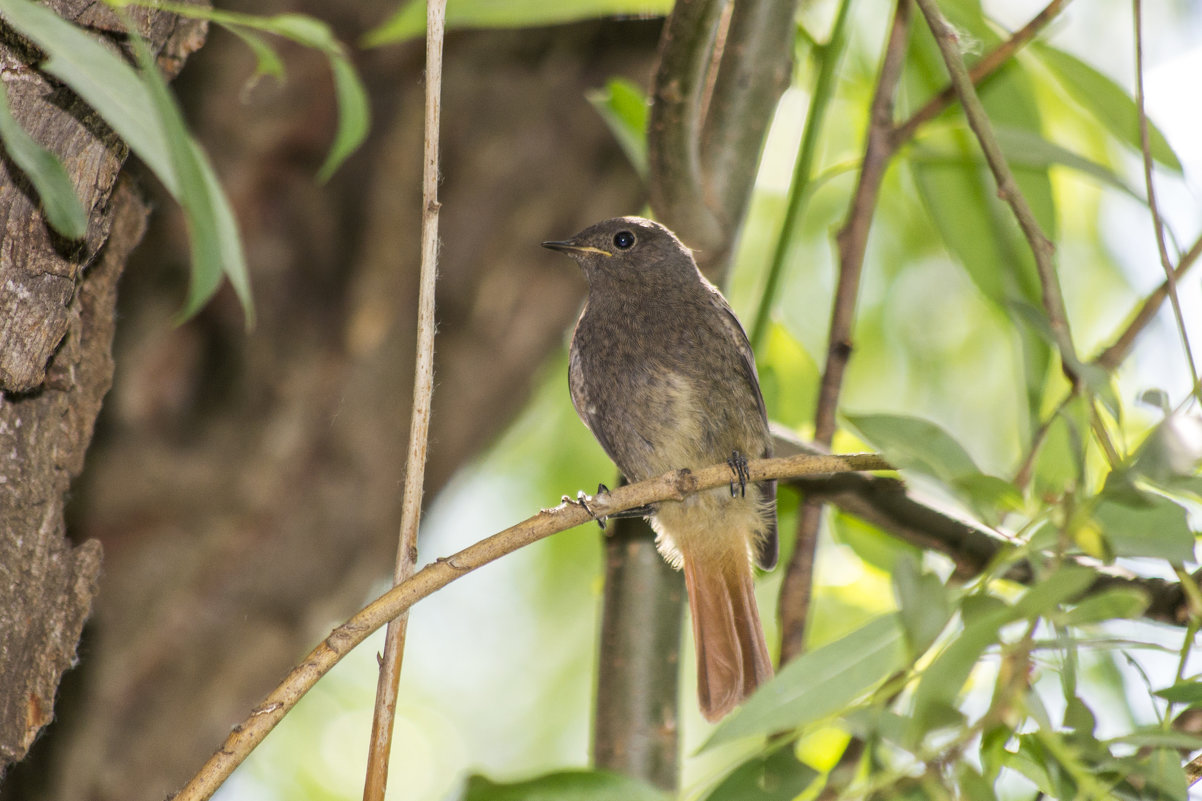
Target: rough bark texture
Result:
[57, 302]
[246, 489]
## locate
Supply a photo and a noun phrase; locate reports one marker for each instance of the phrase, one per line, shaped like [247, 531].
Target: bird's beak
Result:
[570, 247]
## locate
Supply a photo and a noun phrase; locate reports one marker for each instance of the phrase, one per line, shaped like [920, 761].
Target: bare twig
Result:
[380, 745]
[986, 66]
[1118, 350]
[1157, 220]
[1041, 247]
[793, 605]
[675, 485]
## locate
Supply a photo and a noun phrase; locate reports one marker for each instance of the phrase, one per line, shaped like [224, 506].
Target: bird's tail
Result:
[732, 656]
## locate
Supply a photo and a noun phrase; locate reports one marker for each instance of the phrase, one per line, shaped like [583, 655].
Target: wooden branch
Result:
[569, 513]
[990, 63]
[793, 605]
[636, 728]
[380, 744]
[1121, 347]
[1041, 247]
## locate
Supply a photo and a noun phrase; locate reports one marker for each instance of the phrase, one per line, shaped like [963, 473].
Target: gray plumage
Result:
[663, 375]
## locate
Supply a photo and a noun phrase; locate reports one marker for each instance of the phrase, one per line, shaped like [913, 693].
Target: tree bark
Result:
[57, 301]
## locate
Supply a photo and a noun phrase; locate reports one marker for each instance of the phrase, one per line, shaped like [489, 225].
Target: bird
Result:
[663, 375]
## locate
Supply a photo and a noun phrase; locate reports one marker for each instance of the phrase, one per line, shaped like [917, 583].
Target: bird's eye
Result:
[623, 240]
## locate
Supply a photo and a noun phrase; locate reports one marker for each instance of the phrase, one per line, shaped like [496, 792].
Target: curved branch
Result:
[568, 514]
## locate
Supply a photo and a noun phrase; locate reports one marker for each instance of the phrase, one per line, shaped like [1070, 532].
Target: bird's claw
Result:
[738, 465]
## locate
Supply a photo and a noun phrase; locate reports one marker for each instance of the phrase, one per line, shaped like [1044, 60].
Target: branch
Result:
[793, 605]
[1157, 222]
[1121, 347]
[989, 64]
[380, 744]
[674, 125]
[1041, 247]
[675, 485]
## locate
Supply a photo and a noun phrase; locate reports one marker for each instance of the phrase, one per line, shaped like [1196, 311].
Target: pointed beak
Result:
[570, 247]
[564, 246]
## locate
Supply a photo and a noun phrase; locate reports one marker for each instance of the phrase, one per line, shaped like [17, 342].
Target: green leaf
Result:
[819, 683]
[139, 108]
[1183, 692]
[623, 106]
[1106, 101]
[775, 776]
[569, 785]
[923, 604]
[1116, 603]
[943, 679]
[101, 78]
[1157, 528]
[410, 19]
[213, 236]
[60, 205]
[267, 60]
[914, 444]
[1160, 738]
[354, 117]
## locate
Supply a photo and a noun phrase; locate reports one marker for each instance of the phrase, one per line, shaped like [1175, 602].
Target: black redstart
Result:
[663, 375]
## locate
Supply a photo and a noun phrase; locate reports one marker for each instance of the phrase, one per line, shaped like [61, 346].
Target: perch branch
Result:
[380, 744]
[675, 485]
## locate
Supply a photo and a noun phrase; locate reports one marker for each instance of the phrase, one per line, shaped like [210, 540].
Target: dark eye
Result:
[623, 240]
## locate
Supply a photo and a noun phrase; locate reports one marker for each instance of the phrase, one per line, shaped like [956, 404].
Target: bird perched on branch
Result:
[663, 375]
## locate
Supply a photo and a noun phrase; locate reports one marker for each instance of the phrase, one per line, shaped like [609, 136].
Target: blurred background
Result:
[246, 487]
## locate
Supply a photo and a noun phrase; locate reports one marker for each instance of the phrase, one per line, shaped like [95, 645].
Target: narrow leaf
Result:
[1106, 101]
[776, 776]
[623, 106]
[354, 117]
[572, 785]
[820, 683]
[410, 19]
[60, 205]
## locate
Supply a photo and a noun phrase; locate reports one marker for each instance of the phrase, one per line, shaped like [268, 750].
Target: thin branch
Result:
[675, 485]
[1157, 220]
[852, 239]
[380, 745]
[1041, 247]
[853, 236]
[827, 56]
[1121, 347]
[990, 63]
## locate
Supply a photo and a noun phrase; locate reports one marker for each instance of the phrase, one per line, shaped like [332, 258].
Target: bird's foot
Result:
[738, 465]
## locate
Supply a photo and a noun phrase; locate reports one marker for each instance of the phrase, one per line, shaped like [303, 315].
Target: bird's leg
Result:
[738, 465]
[639, 511]
[582, 500]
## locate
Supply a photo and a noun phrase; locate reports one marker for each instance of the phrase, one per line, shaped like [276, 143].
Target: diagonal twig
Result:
[986, 66]
[1041, 247]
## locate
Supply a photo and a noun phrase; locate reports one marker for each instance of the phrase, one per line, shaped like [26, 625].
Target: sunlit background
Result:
[498, 671]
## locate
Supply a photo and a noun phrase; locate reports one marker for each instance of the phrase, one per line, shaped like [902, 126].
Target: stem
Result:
[1157, 220]
[380, 745]
[828, 56]
[1041, 247]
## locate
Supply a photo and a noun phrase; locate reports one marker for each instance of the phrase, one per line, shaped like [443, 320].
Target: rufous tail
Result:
[732, 656]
